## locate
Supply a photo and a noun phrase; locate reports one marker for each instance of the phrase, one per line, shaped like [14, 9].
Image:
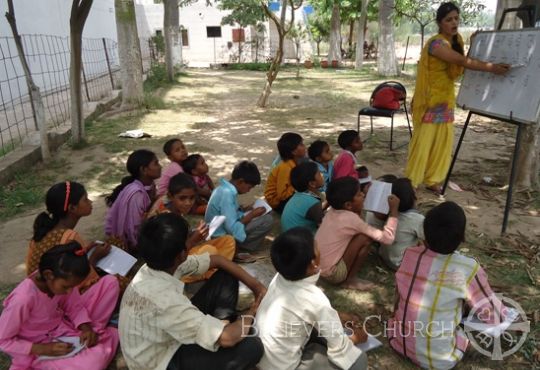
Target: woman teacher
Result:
[442, 61]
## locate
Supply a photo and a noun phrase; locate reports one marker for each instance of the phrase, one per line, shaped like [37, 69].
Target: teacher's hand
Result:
[500, 68]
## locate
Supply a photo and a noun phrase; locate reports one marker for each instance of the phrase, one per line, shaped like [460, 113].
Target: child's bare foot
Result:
[357, 284]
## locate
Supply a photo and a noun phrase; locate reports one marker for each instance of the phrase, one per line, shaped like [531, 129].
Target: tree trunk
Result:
[528, 157]
[351, 34]
[361, 36]
[129, 51]
[422, 31]
[318, 48]
[79, 14]
[75, 68]
[334, 52]
[271, 74]
[33, 89]
[386, 56]
[173, 44]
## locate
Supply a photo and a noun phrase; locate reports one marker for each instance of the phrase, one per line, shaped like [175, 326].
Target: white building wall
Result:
[51, 17]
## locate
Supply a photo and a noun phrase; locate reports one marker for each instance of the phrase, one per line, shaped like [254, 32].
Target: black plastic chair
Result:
[380, 112]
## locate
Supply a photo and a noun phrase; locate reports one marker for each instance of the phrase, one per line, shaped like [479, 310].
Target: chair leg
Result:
[371, 121]
[391, 132]
[358, 124]
[408, 122]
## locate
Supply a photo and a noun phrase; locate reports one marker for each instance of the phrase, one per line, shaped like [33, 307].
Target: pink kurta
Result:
[31, 316]
[345, 165]
[169, 172]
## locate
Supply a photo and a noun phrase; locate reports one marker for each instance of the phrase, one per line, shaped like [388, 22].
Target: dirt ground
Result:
[214, 113]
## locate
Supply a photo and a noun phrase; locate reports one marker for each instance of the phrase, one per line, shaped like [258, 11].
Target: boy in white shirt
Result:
[295, 320]
[161, 329]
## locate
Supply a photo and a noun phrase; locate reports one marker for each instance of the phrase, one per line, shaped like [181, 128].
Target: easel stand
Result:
[514, 160]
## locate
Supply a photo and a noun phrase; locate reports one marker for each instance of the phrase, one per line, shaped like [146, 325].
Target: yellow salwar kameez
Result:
[433, 105]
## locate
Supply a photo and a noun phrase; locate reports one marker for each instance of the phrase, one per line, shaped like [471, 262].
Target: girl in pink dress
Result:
[46, 305]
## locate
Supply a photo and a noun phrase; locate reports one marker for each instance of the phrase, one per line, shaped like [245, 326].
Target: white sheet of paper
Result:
[369, 344]
[262, 203]
[117, 262]
[77, 347]
[216, 222]
[492, 329]
[377, 197]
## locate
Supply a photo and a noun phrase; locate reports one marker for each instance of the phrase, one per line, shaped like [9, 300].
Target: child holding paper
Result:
[248, 228]
[426, 324]
[47, 305]
[410, 229]
[179, 200]
[344, 238]
[296, 322]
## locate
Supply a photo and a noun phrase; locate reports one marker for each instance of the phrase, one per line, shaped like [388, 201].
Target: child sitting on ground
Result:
[176, 151]
[345, 163]
[160, 328]
[131, 199]
[410, 228]
[67, 202]
[295, 320]
[364, 178]
[180, 200]
[319, 152]
[278, 186]
[47, 305]
[344, 238]
[248, 228]
[305, 207]
[196, 166]
[442, 281]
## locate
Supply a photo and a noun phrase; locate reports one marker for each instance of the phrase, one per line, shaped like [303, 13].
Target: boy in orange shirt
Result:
[278, 186]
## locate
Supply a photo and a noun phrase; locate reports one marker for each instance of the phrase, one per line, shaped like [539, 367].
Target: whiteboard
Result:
[515, 95]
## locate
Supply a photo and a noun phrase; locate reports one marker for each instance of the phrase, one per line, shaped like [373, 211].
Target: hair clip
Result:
[66, 201]
[80, 252]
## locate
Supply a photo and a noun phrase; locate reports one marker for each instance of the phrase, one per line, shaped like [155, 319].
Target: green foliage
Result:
[157, 77]
[159, 42]
[423, 11]
[319, 26]
[243, 12]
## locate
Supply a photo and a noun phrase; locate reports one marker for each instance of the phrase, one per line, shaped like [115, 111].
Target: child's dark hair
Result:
[442, 12]
[403, 189]
[341, 190]
[248, 172]
[59, 197]
[180, 182]
[65, 261]
[167, 147]
[287, 143]
[190, 163]
[292, 252]
[161, 239]
[346, 138]
[444, 227]
[362, 169]
[302, 174]
[316, 149]
[136, 160]
[389, 178]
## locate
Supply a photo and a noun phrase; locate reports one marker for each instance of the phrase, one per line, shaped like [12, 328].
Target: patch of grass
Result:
[248, 66]
[26, 191]
[157, 78]
[152, 101]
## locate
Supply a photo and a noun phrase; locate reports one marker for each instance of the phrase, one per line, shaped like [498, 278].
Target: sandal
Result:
[244, 258]
[436, 189]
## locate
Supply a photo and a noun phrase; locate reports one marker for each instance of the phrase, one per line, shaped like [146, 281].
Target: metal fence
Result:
[49, 58]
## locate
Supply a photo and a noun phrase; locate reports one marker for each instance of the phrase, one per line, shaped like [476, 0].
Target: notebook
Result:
[77, 347]
[377, 197]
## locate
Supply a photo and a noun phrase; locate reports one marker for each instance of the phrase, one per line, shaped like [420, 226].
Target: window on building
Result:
[159, 33]
[185, 38]
[213, 31]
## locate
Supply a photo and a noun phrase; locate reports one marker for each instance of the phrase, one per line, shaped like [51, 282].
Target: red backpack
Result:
[387, 98]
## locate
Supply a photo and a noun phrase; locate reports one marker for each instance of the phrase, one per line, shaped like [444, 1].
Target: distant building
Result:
[206, 41]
